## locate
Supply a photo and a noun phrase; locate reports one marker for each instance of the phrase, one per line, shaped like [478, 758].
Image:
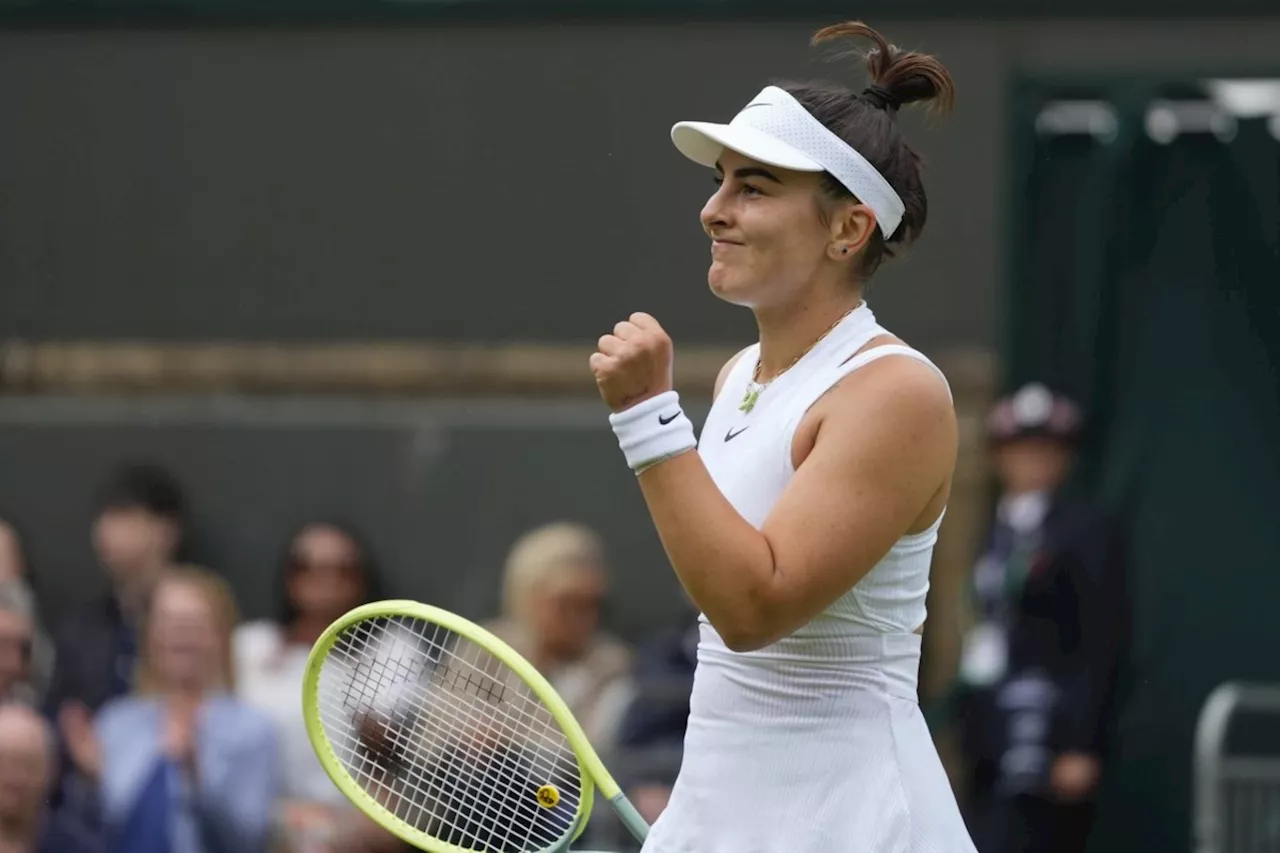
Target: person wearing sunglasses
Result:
[326, 569]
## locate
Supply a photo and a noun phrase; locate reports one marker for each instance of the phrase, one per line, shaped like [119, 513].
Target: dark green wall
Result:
[55, 12]
[1144, 279]
[467, 182]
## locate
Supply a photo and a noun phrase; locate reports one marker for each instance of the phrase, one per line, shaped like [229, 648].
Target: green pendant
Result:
[749, 399]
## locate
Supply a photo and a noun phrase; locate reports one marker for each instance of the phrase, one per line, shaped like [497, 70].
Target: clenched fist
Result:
[633, 363]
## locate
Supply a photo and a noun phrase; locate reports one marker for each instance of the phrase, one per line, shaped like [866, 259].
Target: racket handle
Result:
[631, 818]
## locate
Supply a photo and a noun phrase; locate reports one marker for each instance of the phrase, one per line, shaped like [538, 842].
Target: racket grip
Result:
[631, 818]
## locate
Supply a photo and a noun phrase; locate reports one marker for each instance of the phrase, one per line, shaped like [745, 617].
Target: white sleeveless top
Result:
[814, 744]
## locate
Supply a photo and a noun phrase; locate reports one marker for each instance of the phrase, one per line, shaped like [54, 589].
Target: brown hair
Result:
[217, 593]
[865, 121]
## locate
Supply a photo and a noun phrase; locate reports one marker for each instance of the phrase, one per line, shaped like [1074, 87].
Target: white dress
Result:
[815, 744]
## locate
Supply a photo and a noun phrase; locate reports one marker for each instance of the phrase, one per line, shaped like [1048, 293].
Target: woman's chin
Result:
[727, 286]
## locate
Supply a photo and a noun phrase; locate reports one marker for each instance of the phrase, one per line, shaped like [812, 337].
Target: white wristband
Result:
[653, 430]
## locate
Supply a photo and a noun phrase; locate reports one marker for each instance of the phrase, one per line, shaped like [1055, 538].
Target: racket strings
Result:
[458, 779]
[446, 737]
[399, 740]
[449, 783]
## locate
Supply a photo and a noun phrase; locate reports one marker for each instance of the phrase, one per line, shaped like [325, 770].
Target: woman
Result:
[17, 638]
[21, 597]
[184, 767]
[326, 570]
[803, 523]
[553, 588]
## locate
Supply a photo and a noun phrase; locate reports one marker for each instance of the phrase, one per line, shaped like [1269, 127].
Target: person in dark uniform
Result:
[1037, 666]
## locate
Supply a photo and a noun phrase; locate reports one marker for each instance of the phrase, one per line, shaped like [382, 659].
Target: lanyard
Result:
[1011, 555]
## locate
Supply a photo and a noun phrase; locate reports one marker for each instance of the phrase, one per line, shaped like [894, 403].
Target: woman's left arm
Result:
[235, 809]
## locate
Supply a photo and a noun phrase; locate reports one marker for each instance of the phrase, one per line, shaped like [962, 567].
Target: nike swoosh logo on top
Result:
[667, 420]
[730, 435]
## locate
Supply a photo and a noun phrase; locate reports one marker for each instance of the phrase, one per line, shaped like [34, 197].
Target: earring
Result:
[844, 250]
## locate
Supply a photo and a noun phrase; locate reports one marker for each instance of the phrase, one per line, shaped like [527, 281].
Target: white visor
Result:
[777, 130]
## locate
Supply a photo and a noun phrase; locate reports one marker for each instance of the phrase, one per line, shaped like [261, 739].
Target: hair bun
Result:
[881, 97]
[898, 77]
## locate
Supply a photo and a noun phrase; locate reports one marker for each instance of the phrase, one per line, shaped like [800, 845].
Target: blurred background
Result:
[292, 289]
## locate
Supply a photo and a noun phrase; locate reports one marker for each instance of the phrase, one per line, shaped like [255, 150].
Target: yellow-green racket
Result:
[447, 737]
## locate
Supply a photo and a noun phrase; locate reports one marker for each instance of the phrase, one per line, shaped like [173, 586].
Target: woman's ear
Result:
[851, 228]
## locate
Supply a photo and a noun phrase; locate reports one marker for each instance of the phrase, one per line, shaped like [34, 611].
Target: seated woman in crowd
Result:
[184, 766]
[17, 642]
[553, 590]
[325, 571]
[20, 597]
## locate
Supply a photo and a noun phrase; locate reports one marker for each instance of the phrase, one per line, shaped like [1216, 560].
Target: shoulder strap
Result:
[878, 352]
[743, 366]
[824, 381]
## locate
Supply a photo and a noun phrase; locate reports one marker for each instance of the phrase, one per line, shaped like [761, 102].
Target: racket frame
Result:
[591, 769]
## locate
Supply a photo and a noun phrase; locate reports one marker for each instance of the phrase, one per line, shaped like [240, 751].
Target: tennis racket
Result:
[449, 739]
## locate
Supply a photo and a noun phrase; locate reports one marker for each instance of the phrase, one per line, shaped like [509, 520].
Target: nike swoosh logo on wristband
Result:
[667, 420]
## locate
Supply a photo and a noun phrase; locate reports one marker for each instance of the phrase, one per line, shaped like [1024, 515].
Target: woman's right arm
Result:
[863, 484]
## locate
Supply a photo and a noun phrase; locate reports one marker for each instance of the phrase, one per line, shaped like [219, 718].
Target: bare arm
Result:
[885, 448]
[880, 461]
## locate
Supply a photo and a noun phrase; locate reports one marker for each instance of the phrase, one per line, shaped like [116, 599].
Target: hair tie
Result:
[881, 97]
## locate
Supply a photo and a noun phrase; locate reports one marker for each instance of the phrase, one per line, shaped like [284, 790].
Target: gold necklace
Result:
[755, 387]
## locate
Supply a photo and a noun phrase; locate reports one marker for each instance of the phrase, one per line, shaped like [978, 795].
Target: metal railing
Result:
[1237, 792]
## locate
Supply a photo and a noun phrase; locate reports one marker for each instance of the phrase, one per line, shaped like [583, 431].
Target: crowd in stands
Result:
[152, 719]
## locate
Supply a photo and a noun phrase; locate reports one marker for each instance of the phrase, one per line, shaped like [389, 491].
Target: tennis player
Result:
[803, 523]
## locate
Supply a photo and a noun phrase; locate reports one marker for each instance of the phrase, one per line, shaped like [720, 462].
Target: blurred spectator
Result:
[1036, 669]
[15, 570]
[184, 767]
[136, 534]
[653, 729]
[137, 531]
[17, 638]
[27, 765]
[326, 570]
[553, 589]
[13, 558]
